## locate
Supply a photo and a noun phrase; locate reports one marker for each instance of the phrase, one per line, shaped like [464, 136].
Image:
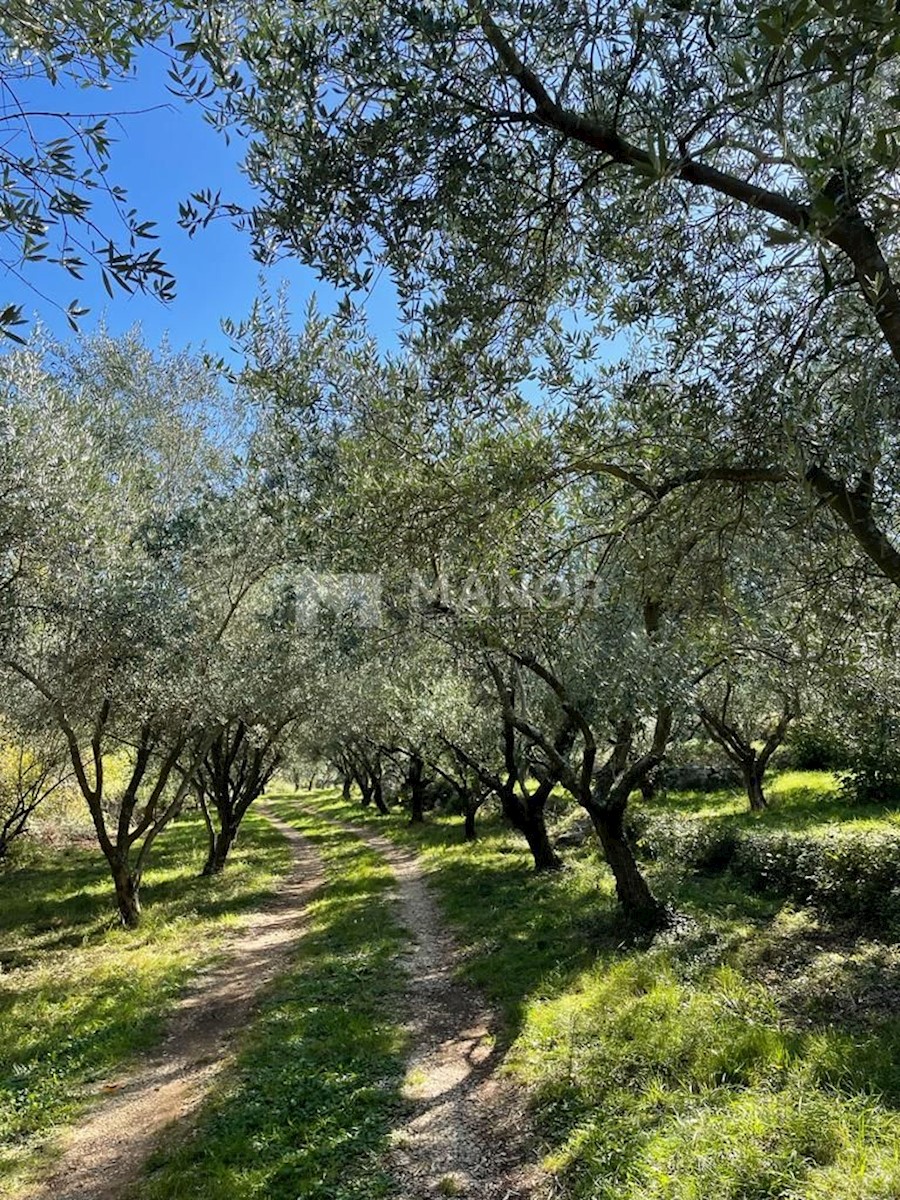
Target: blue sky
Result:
[160, 157]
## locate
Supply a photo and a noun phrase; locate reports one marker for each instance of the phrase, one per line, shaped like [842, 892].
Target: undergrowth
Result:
[811, 846]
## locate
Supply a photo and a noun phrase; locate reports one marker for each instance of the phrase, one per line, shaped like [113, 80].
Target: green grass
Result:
[754, 1054]
[78, 995]
[751, 1054]
[309, 1109]
[799, 801]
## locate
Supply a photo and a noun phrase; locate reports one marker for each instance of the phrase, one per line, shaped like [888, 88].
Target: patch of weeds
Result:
[450, 1185]
[310, 1107]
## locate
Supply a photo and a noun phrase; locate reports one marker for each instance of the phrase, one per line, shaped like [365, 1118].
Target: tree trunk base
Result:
[549, 866]
[128, 899]
[755, 793]
[640, 908]
[218, 855]
[653, 919]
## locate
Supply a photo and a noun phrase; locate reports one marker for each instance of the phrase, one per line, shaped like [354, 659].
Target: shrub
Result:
[849, 875]
[857, 875]
[874, 765]
[813, 745]
[695, 777]
[774, 862]
[699, 845]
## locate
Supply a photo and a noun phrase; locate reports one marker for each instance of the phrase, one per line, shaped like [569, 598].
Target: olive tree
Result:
[113, 672]
[736, 734]
[718, 177]
[58, 203]
[501, 758]
[108, 631]
[266, 681]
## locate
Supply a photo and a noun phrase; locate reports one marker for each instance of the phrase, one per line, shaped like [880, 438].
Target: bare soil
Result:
[106, 1152]
[467, 1132]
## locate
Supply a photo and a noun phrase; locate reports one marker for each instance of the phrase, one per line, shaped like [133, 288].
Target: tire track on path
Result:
[467, 1132]
[107, 1150]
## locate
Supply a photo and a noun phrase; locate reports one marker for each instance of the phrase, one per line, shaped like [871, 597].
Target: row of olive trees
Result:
[143, 615]
[479, 629]
[719, 181]
[539, 636]
[671, 522]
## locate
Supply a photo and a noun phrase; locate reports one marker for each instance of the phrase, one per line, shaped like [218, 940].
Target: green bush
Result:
[698, 845]
[854, 875]
[813, 745]
[858, 876]
[874, 767]
[872, 761]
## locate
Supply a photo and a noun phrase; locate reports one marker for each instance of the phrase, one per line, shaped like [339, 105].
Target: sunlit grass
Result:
[309, 1110]
[791, 795]
[754, 1054]
[803, 801]
[78, 995]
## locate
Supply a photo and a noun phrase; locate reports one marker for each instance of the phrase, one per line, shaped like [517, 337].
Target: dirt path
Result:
[106, 1152]
[468, 1133]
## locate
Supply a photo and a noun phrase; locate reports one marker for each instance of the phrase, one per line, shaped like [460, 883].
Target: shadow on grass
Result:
[522, 934]
[689, 1066]
[63, 899]
[316, 1090]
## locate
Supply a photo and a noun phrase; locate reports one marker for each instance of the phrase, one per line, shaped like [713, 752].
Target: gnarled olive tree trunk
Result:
[603, 789]
[751, 762]
[228, 778]
[633, 892]
[127, 884]
[416, 783]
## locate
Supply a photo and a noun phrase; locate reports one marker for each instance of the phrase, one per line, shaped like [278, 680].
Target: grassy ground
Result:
[752, 1055]
[309, 1109]
[79, 995]
[799, 801]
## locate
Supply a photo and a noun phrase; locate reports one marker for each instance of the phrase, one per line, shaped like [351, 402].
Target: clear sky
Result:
[160, 157]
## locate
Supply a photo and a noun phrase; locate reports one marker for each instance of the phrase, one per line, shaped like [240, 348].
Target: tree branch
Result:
[849, 233]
